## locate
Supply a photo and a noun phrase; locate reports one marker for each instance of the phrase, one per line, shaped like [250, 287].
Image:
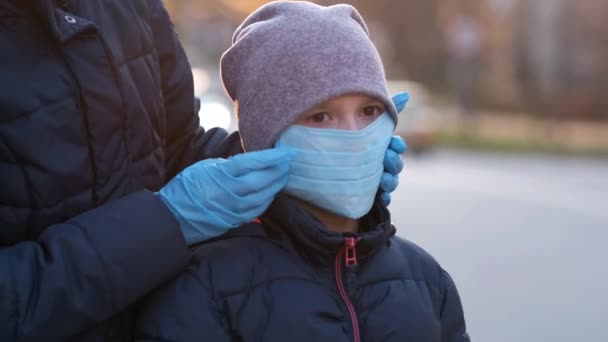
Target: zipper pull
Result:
[350, 253]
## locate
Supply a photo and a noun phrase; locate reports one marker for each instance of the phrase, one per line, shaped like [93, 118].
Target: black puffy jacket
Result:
[290, 279]
[96, 111]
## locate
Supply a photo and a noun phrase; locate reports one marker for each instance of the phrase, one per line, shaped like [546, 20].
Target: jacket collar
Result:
[314, 241]
[62, 24]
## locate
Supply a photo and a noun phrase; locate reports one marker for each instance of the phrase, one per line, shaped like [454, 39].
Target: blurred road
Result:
[524, 237]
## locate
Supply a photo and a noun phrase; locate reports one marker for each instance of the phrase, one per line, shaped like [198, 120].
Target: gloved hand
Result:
[214, 195]
[393, 163]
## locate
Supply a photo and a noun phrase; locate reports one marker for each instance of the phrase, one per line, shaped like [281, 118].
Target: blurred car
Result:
[417, 122]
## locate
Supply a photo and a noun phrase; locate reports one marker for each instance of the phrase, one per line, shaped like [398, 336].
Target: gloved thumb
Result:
[397, 144]
[400, 100]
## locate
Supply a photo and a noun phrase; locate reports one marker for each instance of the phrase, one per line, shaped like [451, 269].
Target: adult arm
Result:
[81, 272]
[186, 141]
[452, 316]
[206, 196]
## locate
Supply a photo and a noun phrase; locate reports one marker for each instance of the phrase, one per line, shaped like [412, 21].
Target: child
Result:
[322, 263]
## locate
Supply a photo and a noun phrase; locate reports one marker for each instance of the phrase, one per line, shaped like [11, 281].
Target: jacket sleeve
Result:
[87, 269]
[452, 316]
[184, 310]
[186, 141]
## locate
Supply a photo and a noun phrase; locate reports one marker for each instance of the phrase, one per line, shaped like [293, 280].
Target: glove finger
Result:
[397, 144]
[400, 100]
[393, 163]
[252, 205]
[389, 182]
[385, 198]
[263, 196]
[249, 214]
[246, 162]
[258, 180]
[250, 190]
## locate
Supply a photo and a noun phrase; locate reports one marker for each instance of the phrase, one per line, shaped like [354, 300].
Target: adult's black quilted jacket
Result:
[288, 278]
[96, 112]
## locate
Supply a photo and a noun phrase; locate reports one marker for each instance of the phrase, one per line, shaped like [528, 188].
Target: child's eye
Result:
[319, 117]
[374, 110]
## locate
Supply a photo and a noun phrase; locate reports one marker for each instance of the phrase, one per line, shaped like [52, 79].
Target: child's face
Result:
[340, 146]
[348, 112]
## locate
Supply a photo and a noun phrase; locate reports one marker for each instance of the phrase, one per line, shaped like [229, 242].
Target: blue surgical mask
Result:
[338, 170]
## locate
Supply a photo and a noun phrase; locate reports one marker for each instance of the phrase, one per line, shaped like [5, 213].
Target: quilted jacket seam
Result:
[37, 109]
[129, 59]
[61, 201]
[429, 284]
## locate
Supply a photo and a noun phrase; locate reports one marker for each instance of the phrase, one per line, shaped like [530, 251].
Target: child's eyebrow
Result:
[319, 108]
[375, 102]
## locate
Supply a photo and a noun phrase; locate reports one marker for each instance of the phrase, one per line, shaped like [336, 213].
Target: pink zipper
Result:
[350, 258]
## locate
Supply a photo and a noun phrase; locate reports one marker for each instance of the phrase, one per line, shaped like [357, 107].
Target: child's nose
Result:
[350, 123]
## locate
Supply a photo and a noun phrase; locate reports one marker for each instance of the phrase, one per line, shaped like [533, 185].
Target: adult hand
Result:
[393, 163]
[214, 195]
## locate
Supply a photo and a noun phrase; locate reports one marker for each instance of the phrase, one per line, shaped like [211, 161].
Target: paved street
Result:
[524, 237]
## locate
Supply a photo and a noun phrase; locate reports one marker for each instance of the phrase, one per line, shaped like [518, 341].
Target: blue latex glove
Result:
[214, 195]
[393, 163]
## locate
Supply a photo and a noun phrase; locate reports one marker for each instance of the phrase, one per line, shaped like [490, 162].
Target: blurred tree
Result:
[545, 55]
[413, 28]
[585, 59]
[562, 55]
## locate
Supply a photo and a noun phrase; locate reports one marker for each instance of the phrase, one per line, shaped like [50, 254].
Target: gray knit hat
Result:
[288, 57]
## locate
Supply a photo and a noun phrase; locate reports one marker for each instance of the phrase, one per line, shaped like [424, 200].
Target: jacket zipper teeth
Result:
[350, 259]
